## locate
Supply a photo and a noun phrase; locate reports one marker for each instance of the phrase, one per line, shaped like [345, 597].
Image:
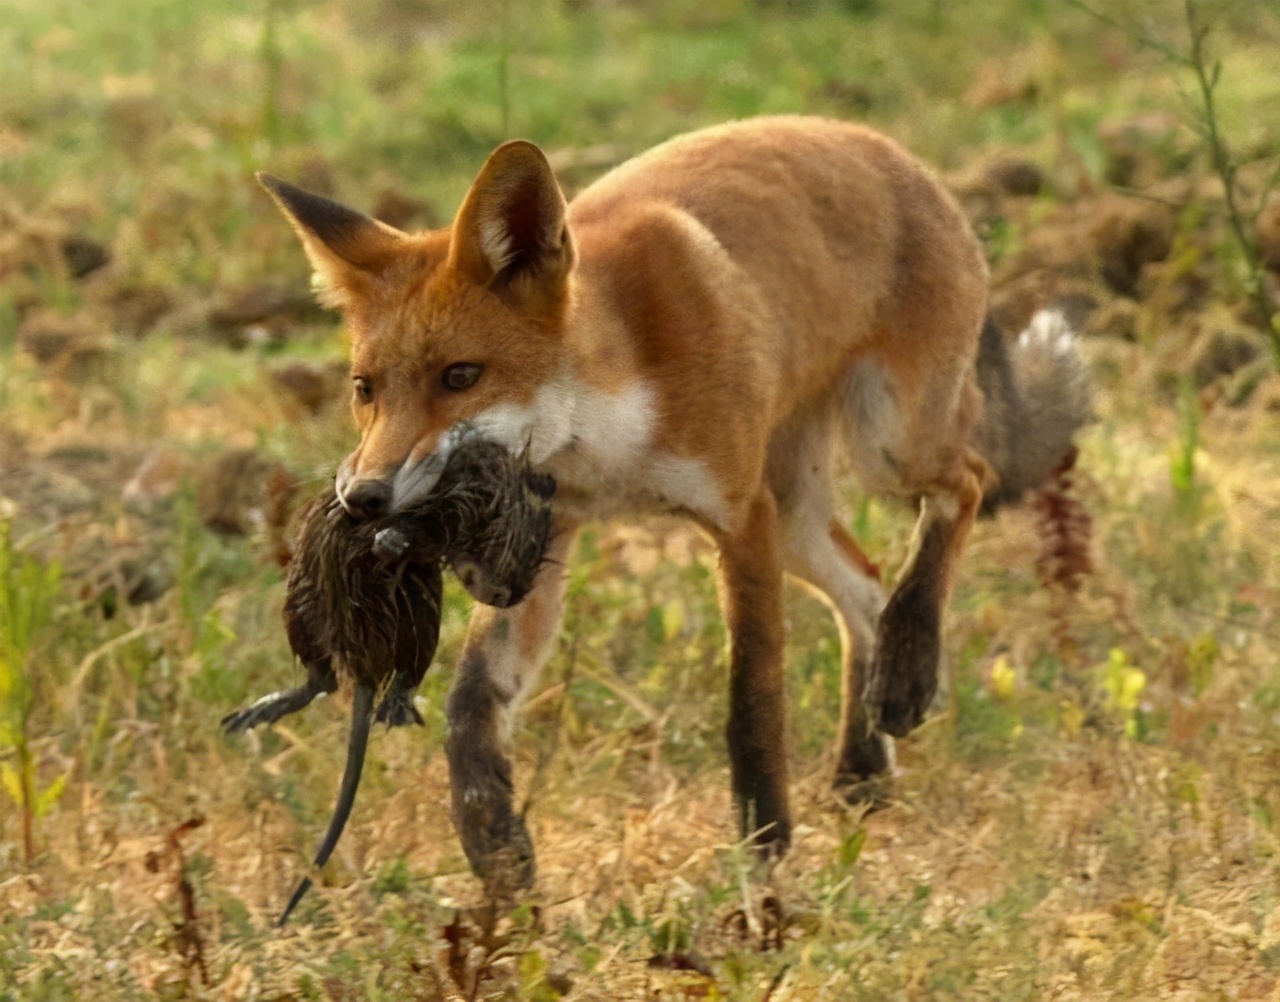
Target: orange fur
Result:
[698, 332]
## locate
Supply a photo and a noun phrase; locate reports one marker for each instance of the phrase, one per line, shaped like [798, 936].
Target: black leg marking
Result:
[751, 568]
[904, 672]
[759, 784]
[493, 836]
[862, 763]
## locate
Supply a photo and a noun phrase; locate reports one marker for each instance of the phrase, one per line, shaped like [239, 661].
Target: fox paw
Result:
[497, 845]
[904, 672]
[493, 835]
[874, 792]
[863, 768]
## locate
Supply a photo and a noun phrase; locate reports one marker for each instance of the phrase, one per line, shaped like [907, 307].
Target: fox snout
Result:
[365, 494]
[367, 499]
[372, 494]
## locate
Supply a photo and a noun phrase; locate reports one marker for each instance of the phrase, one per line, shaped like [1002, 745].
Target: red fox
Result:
[705, 331]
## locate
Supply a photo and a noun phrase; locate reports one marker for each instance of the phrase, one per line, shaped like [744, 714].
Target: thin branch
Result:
[1124, 189]
[1208, 77]
[1143, 39]
[1203, 107]
[1268, 187]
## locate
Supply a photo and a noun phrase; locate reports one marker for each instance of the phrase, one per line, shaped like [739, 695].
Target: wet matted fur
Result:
[362, 598]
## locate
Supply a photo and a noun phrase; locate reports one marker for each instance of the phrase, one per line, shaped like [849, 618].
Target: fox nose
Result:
[368, 499]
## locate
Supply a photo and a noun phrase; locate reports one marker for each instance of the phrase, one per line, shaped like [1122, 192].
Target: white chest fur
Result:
[599, 447]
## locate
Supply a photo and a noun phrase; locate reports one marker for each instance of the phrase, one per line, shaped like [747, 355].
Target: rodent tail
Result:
[358, 744]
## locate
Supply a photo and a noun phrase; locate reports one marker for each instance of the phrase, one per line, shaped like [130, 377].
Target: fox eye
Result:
[461, 375]
[363, 389]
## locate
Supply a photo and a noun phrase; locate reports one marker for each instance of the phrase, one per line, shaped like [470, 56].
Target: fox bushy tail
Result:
[1037, 397]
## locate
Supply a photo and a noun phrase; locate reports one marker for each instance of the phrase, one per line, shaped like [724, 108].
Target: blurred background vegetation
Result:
[1090, 814]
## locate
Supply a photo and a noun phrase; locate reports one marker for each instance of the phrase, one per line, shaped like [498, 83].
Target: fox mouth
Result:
[415, 481]
[417, 478]
[511, 426]
[411, 483]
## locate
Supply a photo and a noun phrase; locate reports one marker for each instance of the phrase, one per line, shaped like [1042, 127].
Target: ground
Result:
[1090, 812]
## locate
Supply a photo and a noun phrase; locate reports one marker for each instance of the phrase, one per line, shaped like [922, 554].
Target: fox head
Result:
[452, 331]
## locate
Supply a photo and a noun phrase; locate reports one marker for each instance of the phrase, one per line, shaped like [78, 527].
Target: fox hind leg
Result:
[909, 438]
[904, 672]
[821, 555]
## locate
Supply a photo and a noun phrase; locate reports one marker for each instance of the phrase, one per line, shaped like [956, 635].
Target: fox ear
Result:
[346, 248]
[511, 231]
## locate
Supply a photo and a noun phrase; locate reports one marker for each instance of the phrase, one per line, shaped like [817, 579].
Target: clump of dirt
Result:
[1142, 149]
[83, 256]
[115, 572]
[1127, 234]
[401, 210]
[261, 312]
[75, 347]
[1223, 351]
[1014, 176]
[136, 307]
[233, 494]
[36, 248]
[314, 386]
[47, 335]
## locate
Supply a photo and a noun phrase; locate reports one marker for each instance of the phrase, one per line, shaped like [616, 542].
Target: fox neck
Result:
[596, 427]
[599, 404]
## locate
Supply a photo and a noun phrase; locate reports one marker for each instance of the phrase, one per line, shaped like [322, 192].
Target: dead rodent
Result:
[363, 597]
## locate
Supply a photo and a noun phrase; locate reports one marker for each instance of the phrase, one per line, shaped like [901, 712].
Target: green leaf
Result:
[12, 783]
[672, 620]
[1202, 655]
[851, 848]
[50, 795]
[589, 956]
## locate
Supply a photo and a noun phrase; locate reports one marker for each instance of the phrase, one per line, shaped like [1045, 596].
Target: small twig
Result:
[775, 983]
[1208, 79]
[1267, 188]
[86, 663]
[622, 691]
[187, 929]
[1146, 41]
[1124, 189]
[28, 812]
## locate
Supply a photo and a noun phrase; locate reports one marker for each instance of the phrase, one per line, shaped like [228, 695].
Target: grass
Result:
[1090, 811]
